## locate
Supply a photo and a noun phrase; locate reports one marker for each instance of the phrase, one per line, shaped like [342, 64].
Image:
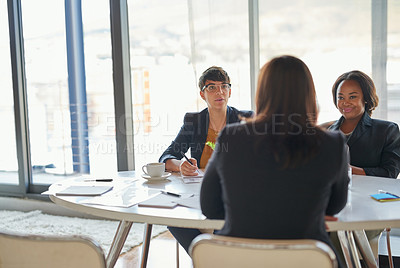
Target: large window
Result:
[47, 89]
[330, 37]
[168, 55]
[99, 86]
[393, 61]
[8, 155]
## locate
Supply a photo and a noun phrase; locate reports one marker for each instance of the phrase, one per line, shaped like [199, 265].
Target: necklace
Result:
[216, 133]
[214, 128]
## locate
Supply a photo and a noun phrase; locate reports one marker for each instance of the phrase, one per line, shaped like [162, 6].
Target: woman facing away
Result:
[374, 144]
[278, 175]
[198, 129]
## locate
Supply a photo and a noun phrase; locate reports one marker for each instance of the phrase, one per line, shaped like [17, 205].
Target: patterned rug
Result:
[102, 231]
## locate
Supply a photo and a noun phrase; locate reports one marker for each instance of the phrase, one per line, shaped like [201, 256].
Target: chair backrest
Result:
[43, 251]
[209, 251]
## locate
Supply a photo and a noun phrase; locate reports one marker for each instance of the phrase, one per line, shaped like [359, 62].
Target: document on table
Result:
[162, 200]
[125, 197]
[90, 190]
[193, 179]
[191, 202]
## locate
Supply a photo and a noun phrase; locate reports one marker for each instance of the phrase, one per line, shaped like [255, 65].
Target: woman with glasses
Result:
[199, 131]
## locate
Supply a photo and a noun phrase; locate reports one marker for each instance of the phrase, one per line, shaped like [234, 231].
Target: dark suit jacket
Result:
[259, 199]
[193, 133]
[374, 146]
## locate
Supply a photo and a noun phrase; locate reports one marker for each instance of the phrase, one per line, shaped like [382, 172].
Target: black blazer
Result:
[374, 146]
[258, 199]
[193, 133]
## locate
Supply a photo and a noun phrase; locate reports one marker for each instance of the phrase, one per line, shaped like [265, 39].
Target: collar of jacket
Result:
[363, 125]
[231, 116]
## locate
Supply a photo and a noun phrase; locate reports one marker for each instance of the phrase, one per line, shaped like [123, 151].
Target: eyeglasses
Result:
[212, 88]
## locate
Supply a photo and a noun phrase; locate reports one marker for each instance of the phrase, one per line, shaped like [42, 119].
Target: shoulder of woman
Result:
[237, 129]
[194, 116]
[243, 113]
[383, 123]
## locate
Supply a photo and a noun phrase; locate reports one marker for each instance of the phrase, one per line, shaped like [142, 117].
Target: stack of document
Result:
[195, 178]
[162, 200]
[89, 190]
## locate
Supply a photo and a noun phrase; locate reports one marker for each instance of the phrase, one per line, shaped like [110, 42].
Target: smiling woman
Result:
[374, 144]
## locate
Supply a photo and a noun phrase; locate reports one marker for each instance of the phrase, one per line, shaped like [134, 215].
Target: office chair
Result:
[33, 251]
[209, 251]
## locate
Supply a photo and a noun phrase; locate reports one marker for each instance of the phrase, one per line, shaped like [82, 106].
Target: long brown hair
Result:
[286, 102]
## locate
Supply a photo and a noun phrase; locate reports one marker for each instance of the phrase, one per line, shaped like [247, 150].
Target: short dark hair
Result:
[214, 73]
[367, 87]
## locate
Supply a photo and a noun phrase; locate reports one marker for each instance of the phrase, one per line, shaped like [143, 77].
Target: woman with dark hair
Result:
[278, 175]
[374, 144]
[200, 129]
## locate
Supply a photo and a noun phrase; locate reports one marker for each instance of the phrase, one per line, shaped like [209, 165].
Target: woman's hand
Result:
[329, 218]
[188, 169]
[173, 165]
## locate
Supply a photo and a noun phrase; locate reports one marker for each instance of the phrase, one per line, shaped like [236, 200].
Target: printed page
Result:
[193, 179]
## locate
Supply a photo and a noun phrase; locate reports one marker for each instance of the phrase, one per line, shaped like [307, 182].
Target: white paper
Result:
[86, 190]
[191, 202]
[195, 178]
[163, 201]
[126, 197]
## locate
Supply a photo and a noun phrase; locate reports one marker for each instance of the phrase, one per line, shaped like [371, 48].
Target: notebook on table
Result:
[90, 190]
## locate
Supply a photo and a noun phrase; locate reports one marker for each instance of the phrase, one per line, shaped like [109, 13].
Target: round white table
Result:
[361, 212]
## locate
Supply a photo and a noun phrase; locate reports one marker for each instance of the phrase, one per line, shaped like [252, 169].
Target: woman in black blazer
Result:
[197, 130]
[278, 175]
[374, 144]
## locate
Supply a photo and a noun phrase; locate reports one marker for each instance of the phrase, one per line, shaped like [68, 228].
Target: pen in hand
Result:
[183, 154]
[189, 171]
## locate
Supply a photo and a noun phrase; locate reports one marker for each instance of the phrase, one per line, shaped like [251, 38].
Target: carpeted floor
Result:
[102, 231]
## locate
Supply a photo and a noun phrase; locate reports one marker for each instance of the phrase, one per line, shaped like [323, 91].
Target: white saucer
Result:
[150, 178]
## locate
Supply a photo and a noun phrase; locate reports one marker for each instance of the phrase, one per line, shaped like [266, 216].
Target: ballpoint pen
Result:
[170, 193]
[183, 154]
[384, 192]
[99, 180]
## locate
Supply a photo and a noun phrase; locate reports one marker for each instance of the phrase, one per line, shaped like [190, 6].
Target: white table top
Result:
[361, 212]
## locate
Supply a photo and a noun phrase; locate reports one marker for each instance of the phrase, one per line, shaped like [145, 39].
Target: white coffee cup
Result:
[154, 169]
